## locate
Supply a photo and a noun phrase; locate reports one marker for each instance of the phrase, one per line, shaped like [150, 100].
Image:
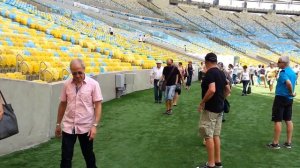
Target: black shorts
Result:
[282, 109]
[200, 75]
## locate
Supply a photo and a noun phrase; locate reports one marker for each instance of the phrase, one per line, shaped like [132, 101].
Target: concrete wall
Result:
[36, 105]
[31, 103]
[54, 101]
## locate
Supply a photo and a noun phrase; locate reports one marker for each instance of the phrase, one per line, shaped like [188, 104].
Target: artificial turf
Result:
[135, 134]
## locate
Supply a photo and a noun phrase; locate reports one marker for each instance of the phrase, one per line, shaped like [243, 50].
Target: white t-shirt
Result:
[245, 76]
[230, 72]
[156, 73]
[110, 29]
[251, 70]
[240, 69]
[235, 70]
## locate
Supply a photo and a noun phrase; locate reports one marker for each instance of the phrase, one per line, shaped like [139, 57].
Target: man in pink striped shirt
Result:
[78, 115]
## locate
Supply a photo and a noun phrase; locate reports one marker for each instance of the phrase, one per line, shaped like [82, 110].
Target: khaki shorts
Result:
[210, 124]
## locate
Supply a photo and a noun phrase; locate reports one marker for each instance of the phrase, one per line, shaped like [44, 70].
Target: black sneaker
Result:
[205, 166]
[218, 165]
[287, 145]
[273, 146]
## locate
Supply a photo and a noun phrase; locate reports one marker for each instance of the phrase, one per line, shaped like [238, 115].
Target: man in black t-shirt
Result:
[171, 75]
[215, 89]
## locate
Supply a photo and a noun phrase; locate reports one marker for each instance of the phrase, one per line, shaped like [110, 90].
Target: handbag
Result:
[226, 106]
[249, 89]
[162, 85]
[178, 87]
[8, 124]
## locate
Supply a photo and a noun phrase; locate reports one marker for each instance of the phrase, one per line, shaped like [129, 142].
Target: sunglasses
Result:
[280, 62]
[75, 73]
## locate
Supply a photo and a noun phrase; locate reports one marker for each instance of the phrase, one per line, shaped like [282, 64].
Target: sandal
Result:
[166, 112]
[169, 112]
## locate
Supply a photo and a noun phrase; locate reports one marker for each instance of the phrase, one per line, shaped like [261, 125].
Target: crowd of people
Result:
[216, 83]
[249, 75]
[80, 107]
[170, 79]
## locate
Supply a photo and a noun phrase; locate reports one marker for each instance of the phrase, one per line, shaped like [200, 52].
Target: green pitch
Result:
[135, 134]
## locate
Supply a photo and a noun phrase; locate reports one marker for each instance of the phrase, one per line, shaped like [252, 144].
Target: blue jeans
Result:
[189, 80]
[157, 92]
[234, 78]
[245, 84]
[258, 79]
[170, 92]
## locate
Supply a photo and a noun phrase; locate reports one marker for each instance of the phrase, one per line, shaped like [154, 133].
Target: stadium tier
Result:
[38, 45]
[42, 44]
[241, 30]
[129, 6]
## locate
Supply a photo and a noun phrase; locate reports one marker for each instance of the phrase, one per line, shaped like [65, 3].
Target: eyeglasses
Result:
[75, 73]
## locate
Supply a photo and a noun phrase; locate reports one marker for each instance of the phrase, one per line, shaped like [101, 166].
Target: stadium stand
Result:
[48, 38]
[252, 33]
[128, 6]
[238, 34]
[48, 47]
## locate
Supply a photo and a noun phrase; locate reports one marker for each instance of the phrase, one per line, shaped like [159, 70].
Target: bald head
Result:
[283, 62]
[77, 62]
[169, 62]
[285, 59]
[77, 68]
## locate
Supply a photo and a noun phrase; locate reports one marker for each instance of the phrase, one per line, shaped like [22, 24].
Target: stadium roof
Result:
[277, 1]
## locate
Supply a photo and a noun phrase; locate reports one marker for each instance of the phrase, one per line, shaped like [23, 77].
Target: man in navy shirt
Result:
[283, 102]
[215, 89]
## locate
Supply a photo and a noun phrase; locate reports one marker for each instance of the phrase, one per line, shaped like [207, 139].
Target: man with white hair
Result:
[283, 102]
[155, 75]
[235, 73]
[79, 114]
